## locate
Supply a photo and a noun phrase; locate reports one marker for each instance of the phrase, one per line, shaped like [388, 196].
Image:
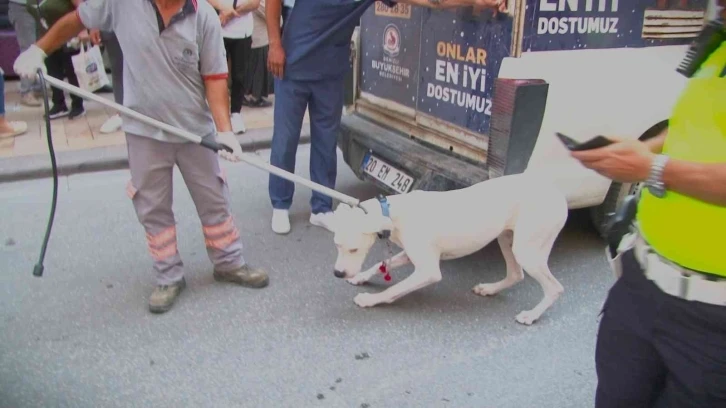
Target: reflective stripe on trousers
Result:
[151, 164]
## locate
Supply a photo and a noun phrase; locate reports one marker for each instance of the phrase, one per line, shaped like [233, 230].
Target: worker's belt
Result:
[672, 279]
[676, 280]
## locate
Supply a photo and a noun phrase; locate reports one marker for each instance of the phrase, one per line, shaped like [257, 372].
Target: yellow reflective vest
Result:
[685, 230]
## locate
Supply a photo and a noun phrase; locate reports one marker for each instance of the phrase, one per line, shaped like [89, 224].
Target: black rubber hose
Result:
[38, 269]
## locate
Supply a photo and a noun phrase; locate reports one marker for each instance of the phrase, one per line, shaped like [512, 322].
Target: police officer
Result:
[175, 71]
[310, 60]
[662, 337]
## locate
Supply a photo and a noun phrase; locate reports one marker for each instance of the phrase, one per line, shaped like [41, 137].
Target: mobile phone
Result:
[594, 143]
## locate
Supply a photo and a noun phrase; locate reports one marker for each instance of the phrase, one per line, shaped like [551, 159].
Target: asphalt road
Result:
[81, 336]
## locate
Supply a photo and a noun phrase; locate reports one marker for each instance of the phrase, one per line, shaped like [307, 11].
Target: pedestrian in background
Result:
[237, 25]
[116, 57]
[59, 64]
[26, 32]
[109, 42]
[8, 128]
[258, 82]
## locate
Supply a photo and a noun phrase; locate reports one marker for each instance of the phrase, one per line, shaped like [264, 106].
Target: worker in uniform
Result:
[662, 337]
[310, 60]
[175, 71]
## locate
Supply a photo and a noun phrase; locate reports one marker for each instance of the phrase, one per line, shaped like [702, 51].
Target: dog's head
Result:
[355, 234]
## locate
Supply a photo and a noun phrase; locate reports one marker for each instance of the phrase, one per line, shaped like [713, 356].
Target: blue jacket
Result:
[317, 37]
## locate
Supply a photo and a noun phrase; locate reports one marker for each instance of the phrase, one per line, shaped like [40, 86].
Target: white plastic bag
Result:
[89, 68]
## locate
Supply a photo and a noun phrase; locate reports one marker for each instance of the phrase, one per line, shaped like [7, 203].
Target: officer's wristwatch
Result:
[655, 183]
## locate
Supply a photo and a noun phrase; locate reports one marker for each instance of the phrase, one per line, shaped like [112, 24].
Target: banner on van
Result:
[553, 25]
[460, 57]
[390, 43]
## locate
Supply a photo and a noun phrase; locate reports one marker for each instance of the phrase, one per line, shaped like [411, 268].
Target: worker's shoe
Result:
[245, 276]
[29, 99]
[325, 220]
[280, 221]
[163, 296]
[112, 124]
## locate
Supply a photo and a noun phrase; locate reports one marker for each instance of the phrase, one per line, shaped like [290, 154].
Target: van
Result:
[444, 99]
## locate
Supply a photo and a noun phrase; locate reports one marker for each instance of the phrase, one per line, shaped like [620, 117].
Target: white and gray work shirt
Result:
[164, 67]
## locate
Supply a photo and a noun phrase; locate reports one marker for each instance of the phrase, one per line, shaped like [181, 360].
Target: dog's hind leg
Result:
[514, 270]
[396, 261]
[532, 251]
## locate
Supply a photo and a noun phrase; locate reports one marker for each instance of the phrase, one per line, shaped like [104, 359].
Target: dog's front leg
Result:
[394, 262]
[426, 273]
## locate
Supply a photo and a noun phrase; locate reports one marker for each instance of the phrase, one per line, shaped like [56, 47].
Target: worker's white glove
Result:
[28, 62]
[229, 139]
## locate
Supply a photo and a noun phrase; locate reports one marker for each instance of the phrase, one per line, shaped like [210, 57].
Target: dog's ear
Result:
[377, 223]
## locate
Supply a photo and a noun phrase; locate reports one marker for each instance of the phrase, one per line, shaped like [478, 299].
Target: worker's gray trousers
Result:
[151, 163]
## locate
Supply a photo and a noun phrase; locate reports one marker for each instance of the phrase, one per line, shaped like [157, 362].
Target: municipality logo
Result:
[391, 40]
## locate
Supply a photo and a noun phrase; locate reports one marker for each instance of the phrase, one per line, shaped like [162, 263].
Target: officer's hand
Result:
[627, 161]
[229, 139]
[276, 60]
[29, 61]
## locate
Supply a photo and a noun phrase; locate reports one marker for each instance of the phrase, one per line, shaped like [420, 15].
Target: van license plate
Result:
[387, 174]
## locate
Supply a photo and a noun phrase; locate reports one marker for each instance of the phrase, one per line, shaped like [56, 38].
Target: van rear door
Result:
[433, 72]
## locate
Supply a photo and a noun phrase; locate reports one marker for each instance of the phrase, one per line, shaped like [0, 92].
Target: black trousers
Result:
[657, 350]
[60, 66]
[238, 52]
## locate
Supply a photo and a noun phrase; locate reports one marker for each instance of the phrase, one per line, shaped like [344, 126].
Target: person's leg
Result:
[239, 57]
[77, 108]
[630, 370]
[326, 108]
[238, 54]
[207, 184]
[54, 66]
[257, 79]
[151, 164]
[26, 33]
[691, 337]
[115, 56]
[291, 101]
[8, 128]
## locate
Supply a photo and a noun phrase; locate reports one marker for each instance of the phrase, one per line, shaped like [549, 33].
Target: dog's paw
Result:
[527, 317]
[365, 300]
[485, 289]
[357, 280]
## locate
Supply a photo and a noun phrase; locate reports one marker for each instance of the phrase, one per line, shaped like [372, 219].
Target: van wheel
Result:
[600, 215]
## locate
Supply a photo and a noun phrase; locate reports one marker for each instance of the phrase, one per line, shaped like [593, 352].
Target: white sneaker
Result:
[280, 221]
[111, 124]
[238, 124]
[325, 220]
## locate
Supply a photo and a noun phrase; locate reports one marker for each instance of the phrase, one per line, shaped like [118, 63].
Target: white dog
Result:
[525, 214]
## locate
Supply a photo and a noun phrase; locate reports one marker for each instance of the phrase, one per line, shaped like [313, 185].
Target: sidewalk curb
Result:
[106, 158]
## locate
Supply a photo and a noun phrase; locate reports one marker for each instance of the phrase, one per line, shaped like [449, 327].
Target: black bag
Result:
[48, 12]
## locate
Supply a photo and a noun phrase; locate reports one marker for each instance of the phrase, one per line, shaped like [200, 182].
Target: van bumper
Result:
[431, 169]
